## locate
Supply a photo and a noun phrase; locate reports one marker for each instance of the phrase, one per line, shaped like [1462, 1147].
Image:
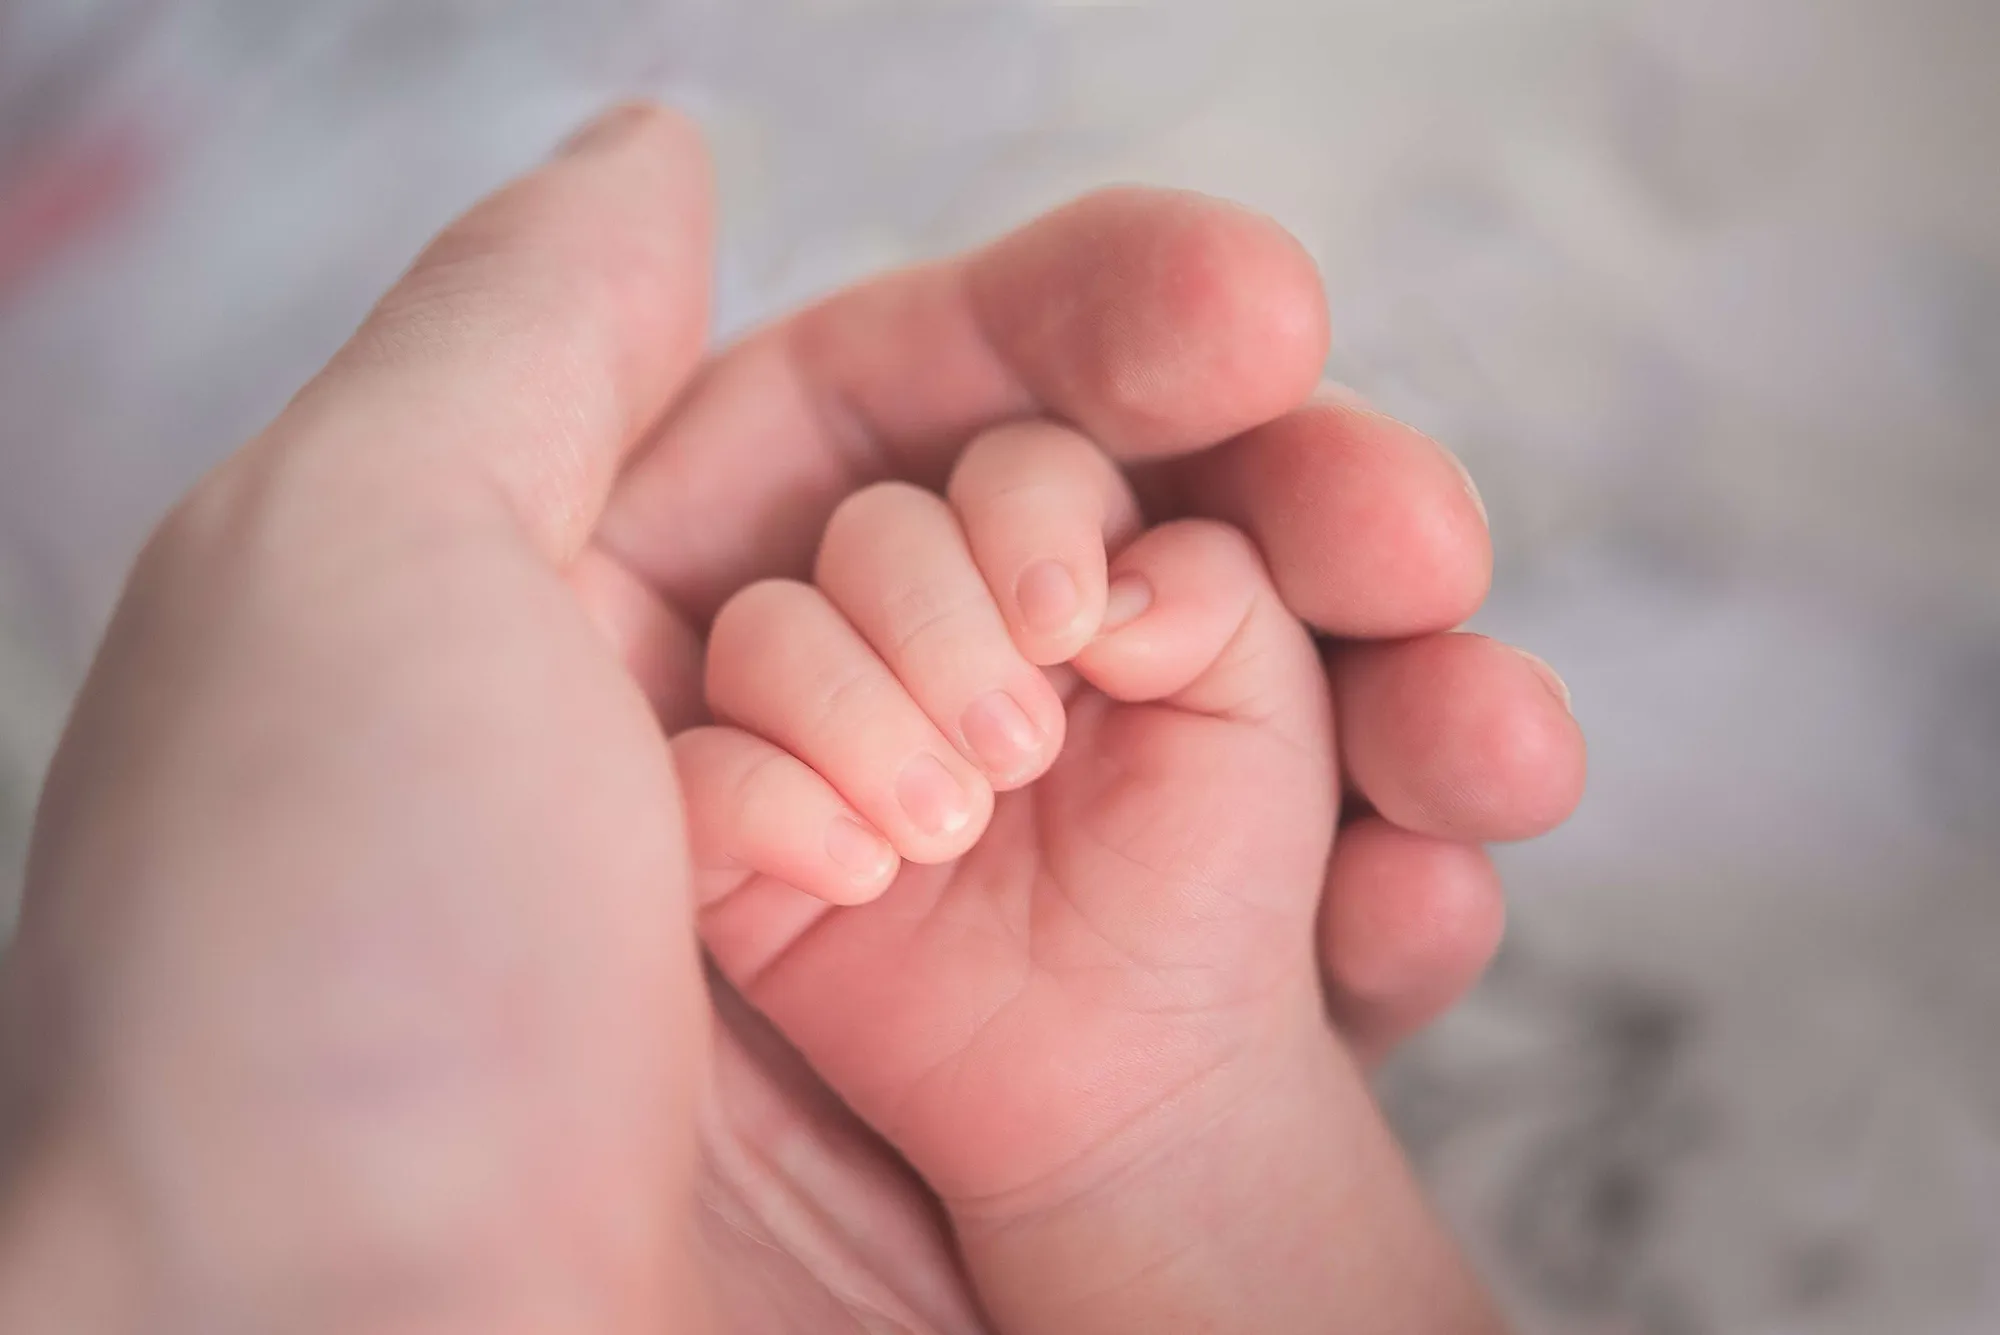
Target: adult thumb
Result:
[532, 343]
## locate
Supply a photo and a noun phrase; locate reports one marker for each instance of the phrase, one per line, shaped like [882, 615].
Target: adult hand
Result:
[355, 985]
[1186, 336]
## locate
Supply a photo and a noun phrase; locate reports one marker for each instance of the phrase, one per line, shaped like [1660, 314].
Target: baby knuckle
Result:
[752, 610]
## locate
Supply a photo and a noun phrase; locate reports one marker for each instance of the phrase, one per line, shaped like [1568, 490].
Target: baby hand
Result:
[1015, 823]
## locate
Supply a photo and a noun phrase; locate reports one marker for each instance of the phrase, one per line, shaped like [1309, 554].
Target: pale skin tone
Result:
[1067, 916]
[357, 986]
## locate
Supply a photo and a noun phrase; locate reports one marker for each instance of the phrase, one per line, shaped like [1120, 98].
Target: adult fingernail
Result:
[1557, 686]
[1002, 735]
[1126, 601]
[1471, 487]
[864, 855]
[605, 129]
[933, 800]
[1047, 596]
[1332, 392]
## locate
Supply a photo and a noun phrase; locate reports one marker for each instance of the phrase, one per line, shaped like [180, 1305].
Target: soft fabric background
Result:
[1707, 292]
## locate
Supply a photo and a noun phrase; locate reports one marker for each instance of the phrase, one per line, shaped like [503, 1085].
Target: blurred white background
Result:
[1707, 293]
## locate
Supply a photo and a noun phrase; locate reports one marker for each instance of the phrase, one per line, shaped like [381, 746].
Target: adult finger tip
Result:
[1255, 288]
[1459, 736]
[1372, 529]
[1189, 320]
[626, 206]
[534, 340]
[630, 122]
[1409, 925]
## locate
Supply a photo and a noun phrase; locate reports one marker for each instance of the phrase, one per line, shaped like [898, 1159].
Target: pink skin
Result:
[356, 984]
[1077, 1014]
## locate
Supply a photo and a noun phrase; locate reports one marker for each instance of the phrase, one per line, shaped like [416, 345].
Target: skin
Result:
[1087, 1009]
[356, 986]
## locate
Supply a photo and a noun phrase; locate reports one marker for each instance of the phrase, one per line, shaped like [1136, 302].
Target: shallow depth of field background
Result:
[1706, 292]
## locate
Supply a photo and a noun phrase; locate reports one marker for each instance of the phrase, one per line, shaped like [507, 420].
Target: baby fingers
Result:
[1041, 506]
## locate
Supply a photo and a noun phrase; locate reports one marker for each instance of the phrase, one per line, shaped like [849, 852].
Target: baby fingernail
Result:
[1002, 735]
[1048, 597]
[934, 801]
[861, 853]
[1126, 601]
[1557, 686]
